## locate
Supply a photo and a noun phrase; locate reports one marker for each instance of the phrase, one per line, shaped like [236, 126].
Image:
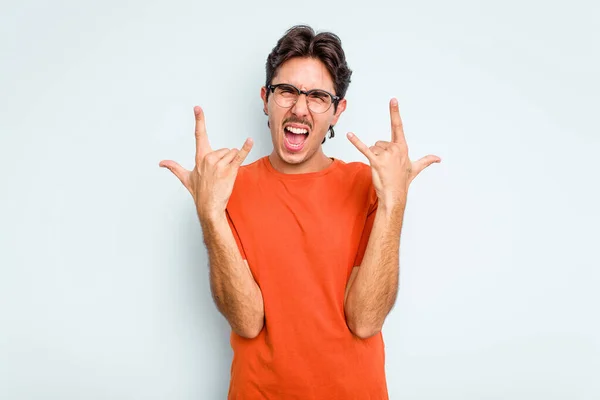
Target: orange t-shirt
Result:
[302, 234]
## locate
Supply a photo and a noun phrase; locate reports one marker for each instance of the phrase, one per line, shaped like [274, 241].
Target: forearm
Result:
[233, 287]
[373, 292]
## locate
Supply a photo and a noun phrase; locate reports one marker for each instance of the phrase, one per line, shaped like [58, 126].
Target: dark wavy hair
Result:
[302, 41]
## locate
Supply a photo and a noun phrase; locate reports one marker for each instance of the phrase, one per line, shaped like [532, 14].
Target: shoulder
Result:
[250, 171]
[248, 181]
[355, 171]
[254, 165]
[359, 178]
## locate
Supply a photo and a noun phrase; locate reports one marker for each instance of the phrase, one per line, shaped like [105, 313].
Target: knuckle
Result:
[211, 159]
[240, 156]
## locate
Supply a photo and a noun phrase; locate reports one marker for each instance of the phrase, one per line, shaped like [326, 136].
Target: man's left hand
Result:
[391, 167]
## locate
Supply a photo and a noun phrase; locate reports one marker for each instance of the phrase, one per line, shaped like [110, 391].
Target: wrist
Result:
[211, 217]
[392, 203]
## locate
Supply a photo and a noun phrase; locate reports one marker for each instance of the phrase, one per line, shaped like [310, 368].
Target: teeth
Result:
[297, 131]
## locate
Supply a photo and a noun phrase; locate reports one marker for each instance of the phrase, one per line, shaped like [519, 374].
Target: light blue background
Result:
[103, 273]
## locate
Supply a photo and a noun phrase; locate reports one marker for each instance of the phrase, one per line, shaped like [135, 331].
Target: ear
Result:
[263, 96]
[340, 109]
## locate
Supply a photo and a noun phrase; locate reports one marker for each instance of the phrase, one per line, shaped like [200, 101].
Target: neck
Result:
[315, 163]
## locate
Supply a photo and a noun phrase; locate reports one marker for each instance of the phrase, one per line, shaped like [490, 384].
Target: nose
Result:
[300, 108]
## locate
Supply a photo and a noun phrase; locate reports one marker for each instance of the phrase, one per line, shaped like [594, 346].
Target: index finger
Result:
[202, 144]
[363, 148]
[397, 128]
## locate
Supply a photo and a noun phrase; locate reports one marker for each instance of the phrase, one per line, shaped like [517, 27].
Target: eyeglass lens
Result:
[318, 101]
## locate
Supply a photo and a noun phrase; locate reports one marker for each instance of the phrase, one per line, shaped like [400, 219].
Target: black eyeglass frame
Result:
[334, 99]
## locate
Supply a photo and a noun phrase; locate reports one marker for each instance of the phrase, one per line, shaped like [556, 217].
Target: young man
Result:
[304, 248]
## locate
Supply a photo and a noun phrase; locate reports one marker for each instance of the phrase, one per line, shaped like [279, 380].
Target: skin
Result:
[372, 288]
[305, 74]
[234, 290]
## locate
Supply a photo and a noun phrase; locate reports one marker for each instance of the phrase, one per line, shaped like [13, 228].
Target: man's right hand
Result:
[211, 181]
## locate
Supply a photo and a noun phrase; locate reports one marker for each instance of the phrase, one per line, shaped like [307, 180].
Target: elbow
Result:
[362, 330]
[248, 334]
[366, 332]
[360, 325]
[249, 331]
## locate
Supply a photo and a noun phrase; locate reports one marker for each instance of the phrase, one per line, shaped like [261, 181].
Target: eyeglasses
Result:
[318, 101]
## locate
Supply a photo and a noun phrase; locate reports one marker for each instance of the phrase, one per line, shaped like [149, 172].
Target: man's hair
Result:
[302, 41]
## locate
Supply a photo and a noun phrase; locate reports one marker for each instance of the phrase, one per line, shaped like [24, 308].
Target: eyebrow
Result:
[332, 91]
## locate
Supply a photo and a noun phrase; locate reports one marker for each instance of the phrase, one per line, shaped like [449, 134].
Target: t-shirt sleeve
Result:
[236, 235]
[364, 239]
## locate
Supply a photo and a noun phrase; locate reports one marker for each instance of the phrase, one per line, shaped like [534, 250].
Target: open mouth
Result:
[295, 137]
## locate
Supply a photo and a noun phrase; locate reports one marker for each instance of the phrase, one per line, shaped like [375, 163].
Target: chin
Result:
[292, 158]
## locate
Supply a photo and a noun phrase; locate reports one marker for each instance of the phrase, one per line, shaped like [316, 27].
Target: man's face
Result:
[295, 147]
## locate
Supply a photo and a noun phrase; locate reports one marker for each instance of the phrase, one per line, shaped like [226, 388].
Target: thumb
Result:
[181, 173]
[423, 163]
